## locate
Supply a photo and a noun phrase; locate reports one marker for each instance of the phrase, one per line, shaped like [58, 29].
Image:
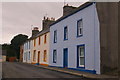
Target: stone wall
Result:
[108, 17]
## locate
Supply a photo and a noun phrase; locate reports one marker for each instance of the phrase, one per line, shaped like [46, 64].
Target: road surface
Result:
[21, 70]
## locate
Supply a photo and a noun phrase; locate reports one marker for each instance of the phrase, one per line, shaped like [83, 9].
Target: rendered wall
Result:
[90, 38]
[43, 46]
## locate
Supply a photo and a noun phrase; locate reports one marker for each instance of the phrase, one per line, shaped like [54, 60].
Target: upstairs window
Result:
[65, 33]
[34, 42]
[29, 44]
[55, 36]
[39, 40]
[80, 28]
[45, 38]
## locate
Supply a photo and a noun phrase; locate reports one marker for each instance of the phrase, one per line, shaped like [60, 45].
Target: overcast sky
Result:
[17, 17]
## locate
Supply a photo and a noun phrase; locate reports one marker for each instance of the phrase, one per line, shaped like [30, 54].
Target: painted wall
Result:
[90, 38]
[43, 46]
[27, 52]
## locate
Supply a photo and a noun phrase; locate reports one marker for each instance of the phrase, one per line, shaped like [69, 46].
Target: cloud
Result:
[17, 17]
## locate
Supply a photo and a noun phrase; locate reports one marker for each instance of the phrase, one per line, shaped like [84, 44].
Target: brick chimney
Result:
[46, 22]
[68, 9]
[35, 31]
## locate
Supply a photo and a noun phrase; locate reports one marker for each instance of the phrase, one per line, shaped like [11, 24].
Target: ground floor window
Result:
[54, 56]
[45, 56]
[24, 56]
[34, 55]
[81, 55]
[29, 55]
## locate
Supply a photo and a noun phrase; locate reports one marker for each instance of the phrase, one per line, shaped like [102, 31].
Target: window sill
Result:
[54, 42]
[65, 39]
[79, 36]
[81, 67]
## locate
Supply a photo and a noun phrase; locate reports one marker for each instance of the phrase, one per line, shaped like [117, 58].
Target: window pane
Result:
[80, 27]
[34, 55]
[82, 51]
[55, 36]
[45, 38]
[65, 33]
[54, 56]
[82, 61]
[39, 40]
[81, 56]
[45, 56]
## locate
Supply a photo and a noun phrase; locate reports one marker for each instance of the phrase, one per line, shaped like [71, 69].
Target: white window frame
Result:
[65, 33]
[81, 56]
[80, 27]
[55, 36]
[54, 56]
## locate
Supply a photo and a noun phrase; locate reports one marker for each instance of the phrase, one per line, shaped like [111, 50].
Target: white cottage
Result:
[40, 43]
[27, 51]
[85, 38]
[74, 40]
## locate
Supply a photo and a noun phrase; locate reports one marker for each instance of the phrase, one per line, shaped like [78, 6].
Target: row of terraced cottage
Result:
[84, 39]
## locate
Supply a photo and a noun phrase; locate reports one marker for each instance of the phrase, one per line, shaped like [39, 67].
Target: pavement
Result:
[79, 73]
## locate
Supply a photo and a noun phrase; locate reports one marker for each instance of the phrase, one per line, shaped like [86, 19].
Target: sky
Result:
[17, 17]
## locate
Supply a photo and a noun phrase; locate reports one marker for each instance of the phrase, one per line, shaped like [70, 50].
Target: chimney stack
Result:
[35, 31]
[68, 9]
[46, 22]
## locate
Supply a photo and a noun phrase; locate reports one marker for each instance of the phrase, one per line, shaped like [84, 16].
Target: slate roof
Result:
[40, 33]
[61, 18]
[77, 10]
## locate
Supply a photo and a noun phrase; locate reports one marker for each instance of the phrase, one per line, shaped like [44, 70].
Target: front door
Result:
[65, 57]
[38, 57]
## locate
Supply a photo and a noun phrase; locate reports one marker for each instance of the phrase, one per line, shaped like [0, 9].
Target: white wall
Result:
[90, 38]
[26, 51]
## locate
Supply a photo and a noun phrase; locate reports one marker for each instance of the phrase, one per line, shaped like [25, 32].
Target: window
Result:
[81, 56]
[34, 55]
[34, 42]
[29, 44]
[45, 37]
[80, 28]
[29, 55]
[55, 36]
[65, 33]
[45, 56]
[54, 56]
[39, 40]
[24, 56]
[38, 57]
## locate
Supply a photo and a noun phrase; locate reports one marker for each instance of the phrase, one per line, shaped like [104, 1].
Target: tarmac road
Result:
[21, 70]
